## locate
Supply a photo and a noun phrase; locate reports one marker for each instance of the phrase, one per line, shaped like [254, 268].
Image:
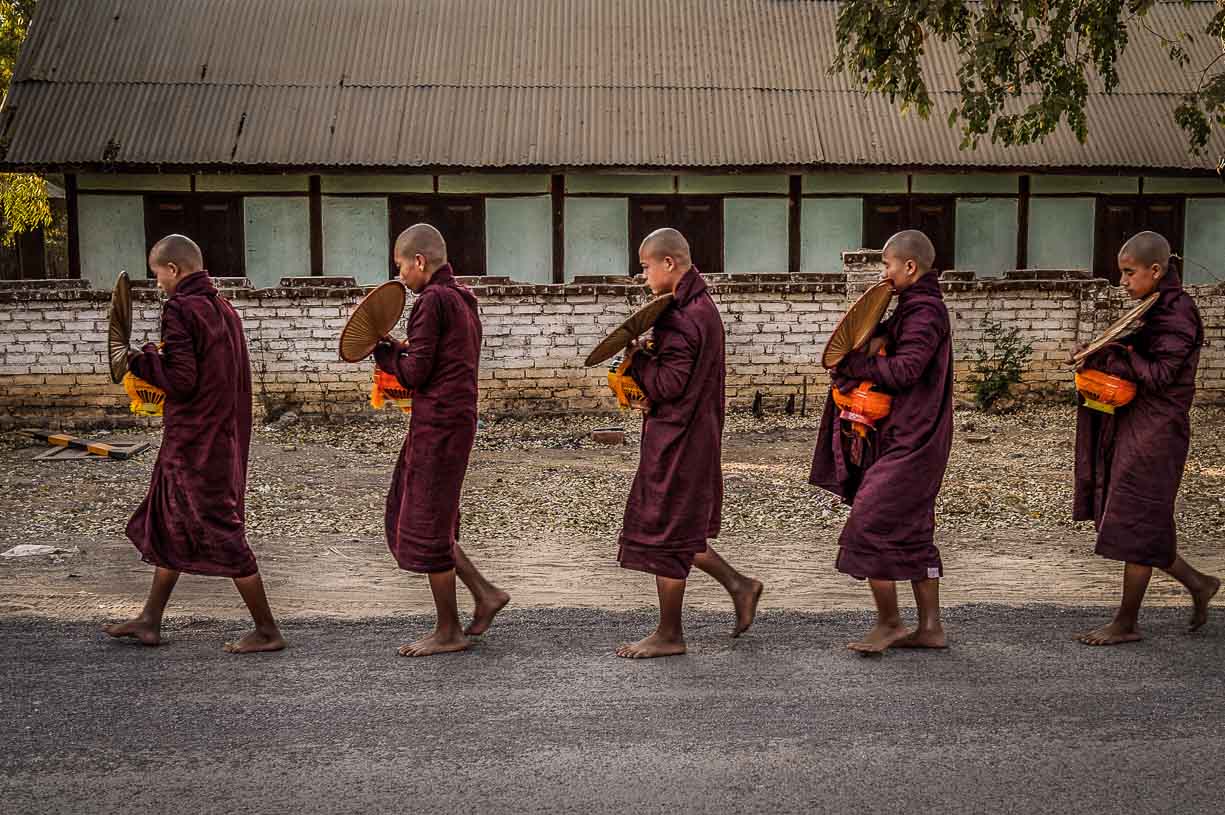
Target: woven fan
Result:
[630, 330]
[856, 326]
[1126, 324]
[372, 320]
[119, 327]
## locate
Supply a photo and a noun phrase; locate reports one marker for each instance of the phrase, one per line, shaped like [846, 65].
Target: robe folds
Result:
[889, 534]
[193, 517]
[676, 501]
[1129, 464]
[439, 365]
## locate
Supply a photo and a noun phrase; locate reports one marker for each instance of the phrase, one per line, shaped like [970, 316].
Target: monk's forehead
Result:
[1146, 249]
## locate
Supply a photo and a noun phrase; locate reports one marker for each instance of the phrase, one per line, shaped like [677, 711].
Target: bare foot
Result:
[147, 632]
[256, 642]
[931, 638]
[436, 643]
[746, 606]
[879, 638]
[1200, 615]
[651, 647]
[1114, 633]
[486, 609]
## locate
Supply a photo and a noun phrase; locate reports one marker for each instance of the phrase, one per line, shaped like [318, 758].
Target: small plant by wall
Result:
[999, 362]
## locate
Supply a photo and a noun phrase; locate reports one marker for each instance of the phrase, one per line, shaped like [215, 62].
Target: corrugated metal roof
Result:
[491, 83]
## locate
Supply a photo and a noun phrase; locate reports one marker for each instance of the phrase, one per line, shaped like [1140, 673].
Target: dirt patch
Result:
[543, 505]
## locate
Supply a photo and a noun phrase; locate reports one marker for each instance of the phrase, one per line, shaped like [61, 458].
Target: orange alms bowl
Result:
[1104, 392]
[863, 407]
[387, 388]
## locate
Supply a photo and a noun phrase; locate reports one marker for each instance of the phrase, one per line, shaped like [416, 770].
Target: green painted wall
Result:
[478, 183]
[252, 183]
[829, 227]
[986, 235]
[755, 235]
[519, 238]
[597, 236]
[1167, 186]
[624, 184]
[1103, 184]
[112, 234]
[1205, 241]
[1061, 233]
[721, 184]
[134, 182]
[873, 183]
[277, 239]
[971, 183]
[377, 183]
[355, 238]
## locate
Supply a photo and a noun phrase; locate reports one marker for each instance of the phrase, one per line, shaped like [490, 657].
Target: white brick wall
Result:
[53, 369]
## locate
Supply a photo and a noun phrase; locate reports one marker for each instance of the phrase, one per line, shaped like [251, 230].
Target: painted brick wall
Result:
[53, 371]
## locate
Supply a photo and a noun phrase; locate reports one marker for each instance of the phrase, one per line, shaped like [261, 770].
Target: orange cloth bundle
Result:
[863, 407]
[629, 394]
[146, 399]
[1104, 392]
[387, 388]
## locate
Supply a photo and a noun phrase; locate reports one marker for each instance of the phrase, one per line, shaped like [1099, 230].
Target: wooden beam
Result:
[74, 226]
[793, 224]
[558, 188]
[1023, 224]
[316, 216]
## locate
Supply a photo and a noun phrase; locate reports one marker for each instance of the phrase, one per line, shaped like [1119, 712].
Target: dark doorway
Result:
[461, 220]
[935, 215]
[699, 218]
[1118, 218]
[214, 221]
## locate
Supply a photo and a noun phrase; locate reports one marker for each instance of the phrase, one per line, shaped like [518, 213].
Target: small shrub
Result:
[1000, 361]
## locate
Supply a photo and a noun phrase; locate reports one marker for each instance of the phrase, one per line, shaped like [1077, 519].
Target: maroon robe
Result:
[193, 517]
[676, 500]
[892, 493]
[439, 365]
[1129, 464]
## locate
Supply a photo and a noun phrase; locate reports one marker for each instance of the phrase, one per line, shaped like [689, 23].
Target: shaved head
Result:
[180, 250]
[912, 244]
[667, 243]
[1147, 249]
[424, 240]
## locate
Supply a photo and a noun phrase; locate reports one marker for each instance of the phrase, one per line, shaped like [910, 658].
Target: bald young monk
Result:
[1129, 464]
[439, 365]
[676, 500]
[892, 493]
[193, 517]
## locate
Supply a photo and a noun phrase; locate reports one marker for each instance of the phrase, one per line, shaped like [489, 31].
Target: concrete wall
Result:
[356, 241]
[828, 227]
[53, 369]
[597, 240]
[1061, 233]
[112, 234]
[986, 235]
[277, 236]
[755, 235]
[1204, 250]
[519, 238]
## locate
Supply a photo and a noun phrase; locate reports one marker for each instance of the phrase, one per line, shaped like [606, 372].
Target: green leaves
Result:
[1024, 66]
[23, 198]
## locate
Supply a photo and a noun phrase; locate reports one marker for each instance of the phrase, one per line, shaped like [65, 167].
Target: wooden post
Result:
[74, 226]
[558, 188]
[316, 218]
[793, 225]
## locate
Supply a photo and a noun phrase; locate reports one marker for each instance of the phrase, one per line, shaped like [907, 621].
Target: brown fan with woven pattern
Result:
[857, 325]
[119, 327]
[1121, 327]
[372, 320]
[633, 328]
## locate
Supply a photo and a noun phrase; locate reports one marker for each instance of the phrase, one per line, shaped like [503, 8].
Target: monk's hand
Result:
[844, 384]
[854, 365]
[876, 345]
[385, 354]
[1075, 352]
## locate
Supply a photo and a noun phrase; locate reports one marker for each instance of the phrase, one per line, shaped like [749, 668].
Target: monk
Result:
[1129, 464]
[676, 500]
[438, 365]
[892, 491]
[193, 517]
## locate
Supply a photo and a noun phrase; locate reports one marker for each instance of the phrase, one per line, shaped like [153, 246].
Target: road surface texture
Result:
[540, 717]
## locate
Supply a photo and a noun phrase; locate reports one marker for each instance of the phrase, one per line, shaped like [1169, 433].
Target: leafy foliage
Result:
[999, 363]
[1025, 65]
[23, 197]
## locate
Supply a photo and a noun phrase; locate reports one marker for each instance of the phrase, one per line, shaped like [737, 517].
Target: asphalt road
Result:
[541, 717]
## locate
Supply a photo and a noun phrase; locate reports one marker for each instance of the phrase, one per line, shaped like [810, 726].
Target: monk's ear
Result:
[1157, 271]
